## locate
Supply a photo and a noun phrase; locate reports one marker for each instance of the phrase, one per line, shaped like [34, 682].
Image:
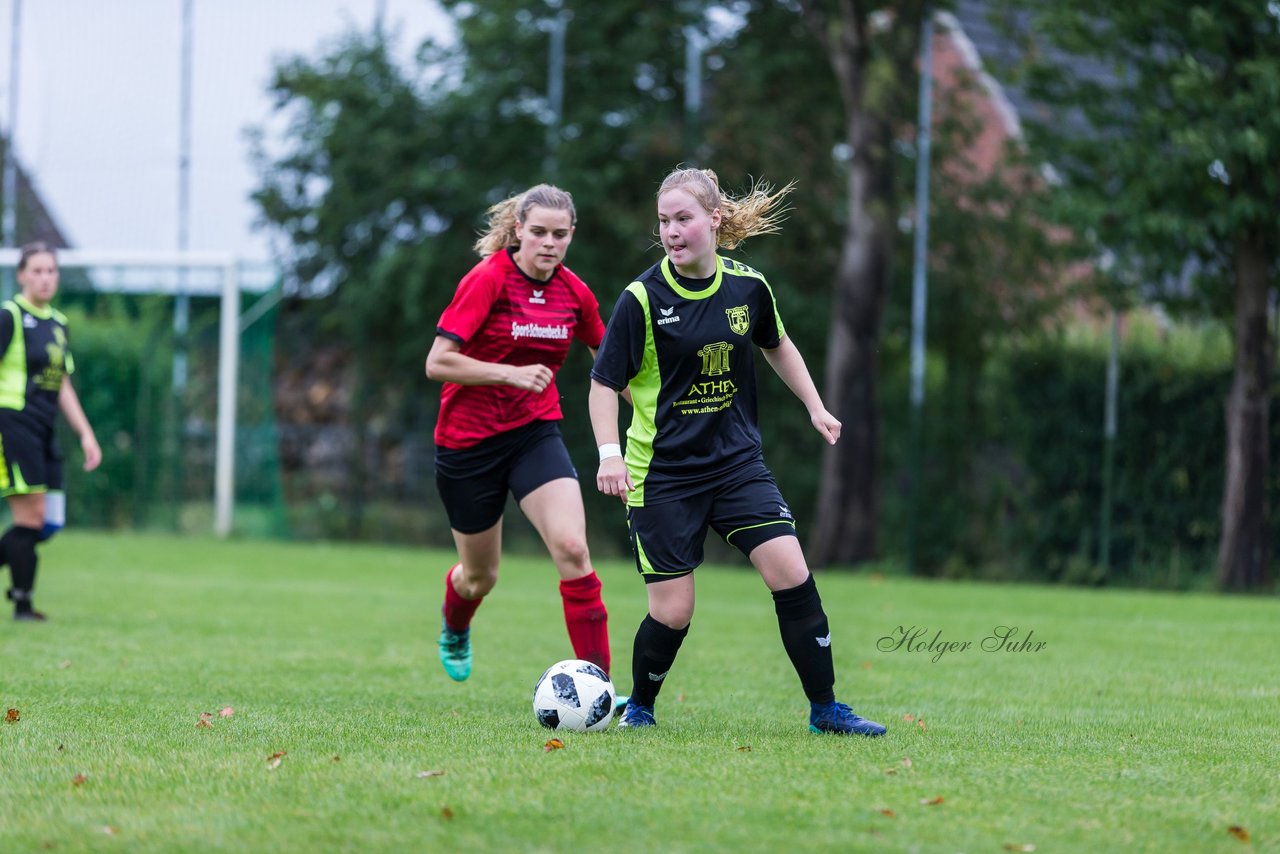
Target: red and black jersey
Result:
[503, 316]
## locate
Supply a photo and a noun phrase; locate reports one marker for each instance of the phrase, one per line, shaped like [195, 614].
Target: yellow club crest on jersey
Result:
[739, 319]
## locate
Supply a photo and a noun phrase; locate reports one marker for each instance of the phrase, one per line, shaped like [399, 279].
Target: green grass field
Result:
[1146, 722]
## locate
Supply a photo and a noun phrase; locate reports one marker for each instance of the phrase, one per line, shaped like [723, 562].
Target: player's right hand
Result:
[614, 479]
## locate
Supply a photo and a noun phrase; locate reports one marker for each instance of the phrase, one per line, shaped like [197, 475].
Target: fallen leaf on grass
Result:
[906, 762]
[1238, 832]
[679, 698]
[891, 770]
[61, 746]
[203, 723]
[434, 772]
[12, 716]
[336, 758]
[920, 723]
[908, 717]
[553, 744]
[931, 802]
[107, 829]
[446, 813]
[866, 665]
[274, 760]
[226, 712]
[1019, 846]
[78, 780]
[889, 813]
[746, 748]
[64, 664]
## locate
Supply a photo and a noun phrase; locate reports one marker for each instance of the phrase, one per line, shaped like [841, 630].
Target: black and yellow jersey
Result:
[683, 347]
[35, 361]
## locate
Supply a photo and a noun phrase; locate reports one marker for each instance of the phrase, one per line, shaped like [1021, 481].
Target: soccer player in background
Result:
[497, 350]
[35, 383]
[679, 340]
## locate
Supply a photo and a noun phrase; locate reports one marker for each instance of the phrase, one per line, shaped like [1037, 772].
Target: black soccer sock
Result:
[19, 544]
[652, 655]
[807, 639]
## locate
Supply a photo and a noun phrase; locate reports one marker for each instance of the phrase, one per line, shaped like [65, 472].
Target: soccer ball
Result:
[574, 695]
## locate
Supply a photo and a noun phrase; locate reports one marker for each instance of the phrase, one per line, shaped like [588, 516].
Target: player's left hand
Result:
[92, 453]
[826, 424]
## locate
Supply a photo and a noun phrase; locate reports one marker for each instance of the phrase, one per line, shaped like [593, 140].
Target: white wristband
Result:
[612, 449]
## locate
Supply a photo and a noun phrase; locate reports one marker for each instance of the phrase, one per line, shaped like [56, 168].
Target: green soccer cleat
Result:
[455, 653]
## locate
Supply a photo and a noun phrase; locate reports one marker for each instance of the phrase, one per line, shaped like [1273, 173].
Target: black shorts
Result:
[30, 455]
[667, 538]
[473, 482]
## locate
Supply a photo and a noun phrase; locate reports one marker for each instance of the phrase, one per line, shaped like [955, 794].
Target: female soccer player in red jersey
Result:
[681, 340]
[497, 350]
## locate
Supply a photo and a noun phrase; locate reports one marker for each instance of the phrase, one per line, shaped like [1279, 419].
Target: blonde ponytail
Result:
[757, 212]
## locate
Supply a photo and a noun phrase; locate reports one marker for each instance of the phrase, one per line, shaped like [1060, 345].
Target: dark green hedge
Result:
[1018, 491]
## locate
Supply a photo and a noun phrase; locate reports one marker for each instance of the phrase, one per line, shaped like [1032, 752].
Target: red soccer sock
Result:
[457, 611]
[587, 620]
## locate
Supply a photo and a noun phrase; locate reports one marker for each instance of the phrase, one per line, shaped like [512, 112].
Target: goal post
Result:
[191, 273]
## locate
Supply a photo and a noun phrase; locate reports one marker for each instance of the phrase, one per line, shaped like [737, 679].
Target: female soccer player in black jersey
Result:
[680, 339]
[35, 383]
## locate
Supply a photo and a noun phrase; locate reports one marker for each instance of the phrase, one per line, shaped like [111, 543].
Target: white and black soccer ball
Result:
[574, 695]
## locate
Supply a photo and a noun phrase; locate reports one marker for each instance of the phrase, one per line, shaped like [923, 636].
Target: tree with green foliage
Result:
[871, 49]
[380, 183]
[381, 180]
[1165, 130]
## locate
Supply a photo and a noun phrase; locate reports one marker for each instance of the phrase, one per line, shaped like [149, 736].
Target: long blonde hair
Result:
[757, 212]
[500, 231]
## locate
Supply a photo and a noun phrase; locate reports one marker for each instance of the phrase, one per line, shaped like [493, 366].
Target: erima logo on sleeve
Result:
[667, 316]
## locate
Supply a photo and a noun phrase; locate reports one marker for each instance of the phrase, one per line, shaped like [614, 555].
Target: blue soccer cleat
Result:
[455, 653]
[839, 719]
[637, 716]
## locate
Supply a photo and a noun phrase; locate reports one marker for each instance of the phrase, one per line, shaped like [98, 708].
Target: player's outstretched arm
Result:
[788, 364]
[446, 363]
